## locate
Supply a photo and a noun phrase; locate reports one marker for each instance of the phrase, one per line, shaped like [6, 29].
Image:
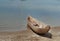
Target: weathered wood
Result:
[37, 26]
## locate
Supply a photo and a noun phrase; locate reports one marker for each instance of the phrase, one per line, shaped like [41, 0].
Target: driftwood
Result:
[37, 26]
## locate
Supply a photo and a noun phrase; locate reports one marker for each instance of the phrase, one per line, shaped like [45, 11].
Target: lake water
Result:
[13, 13]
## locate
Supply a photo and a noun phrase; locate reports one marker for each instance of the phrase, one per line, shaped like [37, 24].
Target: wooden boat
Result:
[37, 26]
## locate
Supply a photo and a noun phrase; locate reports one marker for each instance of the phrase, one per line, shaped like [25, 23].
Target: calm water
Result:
[13, 13]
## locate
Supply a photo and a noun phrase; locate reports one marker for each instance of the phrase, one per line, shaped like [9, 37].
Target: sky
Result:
[13, 13]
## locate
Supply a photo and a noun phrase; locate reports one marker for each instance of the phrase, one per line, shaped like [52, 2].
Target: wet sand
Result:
[28, 35]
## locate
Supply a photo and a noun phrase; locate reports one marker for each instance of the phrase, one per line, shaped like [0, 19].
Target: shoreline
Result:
[26, 35]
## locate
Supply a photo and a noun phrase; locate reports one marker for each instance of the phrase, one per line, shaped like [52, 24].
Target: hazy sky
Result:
[13, 13]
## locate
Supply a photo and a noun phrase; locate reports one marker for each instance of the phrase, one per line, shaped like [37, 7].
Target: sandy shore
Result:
[28, 35]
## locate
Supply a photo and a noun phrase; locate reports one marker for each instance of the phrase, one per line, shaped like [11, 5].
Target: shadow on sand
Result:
[47, 35]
